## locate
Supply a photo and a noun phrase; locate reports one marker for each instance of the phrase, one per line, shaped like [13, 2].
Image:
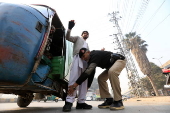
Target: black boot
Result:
[83, 106]
[117, 105]
[67, 106]
[106, 103]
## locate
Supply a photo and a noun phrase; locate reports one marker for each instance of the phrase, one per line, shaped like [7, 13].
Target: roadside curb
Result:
[10, 100]
[155, 98]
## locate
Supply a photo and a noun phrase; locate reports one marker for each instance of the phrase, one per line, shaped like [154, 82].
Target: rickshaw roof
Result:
[48, 11]
[44, 9]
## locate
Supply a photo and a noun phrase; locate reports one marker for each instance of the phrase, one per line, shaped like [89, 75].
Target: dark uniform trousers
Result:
[113, 75]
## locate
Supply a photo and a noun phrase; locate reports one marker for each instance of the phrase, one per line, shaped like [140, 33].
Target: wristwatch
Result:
[74, 88]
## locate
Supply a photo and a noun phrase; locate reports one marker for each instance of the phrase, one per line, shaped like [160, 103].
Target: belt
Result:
[115, 57]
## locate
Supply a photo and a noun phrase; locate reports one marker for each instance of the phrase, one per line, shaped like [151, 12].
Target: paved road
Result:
[145, 105]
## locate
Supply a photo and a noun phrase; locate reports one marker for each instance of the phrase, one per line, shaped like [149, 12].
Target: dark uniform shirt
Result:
[97, 59]
[100, 58]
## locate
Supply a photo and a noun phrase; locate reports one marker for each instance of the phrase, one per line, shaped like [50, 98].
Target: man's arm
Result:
[82, 77]
[86, 73]
[90, 79]
[71, 38]
[70, 26]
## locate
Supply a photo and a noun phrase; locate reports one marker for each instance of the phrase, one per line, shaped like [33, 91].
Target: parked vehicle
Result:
[31, 59]
[166, 72]
[89, 98]
[49, 98]
[90, 95]
[166, 69]
[124, 97]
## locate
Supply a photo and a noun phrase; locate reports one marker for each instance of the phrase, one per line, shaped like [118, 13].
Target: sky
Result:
[150, 19]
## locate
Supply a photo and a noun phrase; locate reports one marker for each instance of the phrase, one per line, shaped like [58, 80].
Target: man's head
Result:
[85, 34]
[84, 54]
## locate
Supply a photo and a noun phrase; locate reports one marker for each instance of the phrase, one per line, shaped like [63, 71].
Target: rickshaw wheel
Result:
[24, 101]
[56, 100]
[45, 100]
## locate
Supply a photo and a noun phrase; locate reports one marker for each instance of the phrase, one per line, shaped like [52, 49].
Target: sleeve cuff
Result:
[69, 30]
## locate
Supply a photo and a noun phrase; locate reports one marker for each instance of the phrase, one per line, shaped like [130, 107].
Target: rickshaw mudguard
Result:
[20, 41]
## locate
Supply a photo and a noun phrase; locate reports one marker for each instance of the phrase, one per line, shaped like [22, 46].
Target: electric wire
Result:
[149, 21]
[130, 15]
[140, 14]
[157, 25]
[122, 11]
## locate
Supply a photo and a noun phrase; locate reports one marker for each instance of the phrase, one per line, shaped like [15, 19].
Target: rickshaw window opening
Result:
[39, 27]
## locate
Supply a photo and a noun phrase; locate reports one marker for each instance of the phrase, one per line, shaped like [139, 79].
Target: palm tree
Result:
[139, 49]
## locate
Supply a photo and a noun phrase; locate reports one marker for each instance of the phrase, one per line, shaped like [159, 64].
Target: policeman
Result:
[114, 64]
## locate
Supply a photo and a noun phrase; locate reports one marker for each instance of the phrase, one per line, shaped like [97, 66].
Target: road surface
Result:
[135, 105]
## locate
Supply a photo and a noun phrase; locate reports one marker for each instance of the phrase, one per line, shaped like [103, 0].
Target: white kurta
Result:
[78, 66]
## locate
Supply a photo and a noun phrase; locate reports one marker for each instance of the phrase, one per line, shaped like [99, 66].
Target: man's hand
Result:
[103, 49]
[71, 24]
[71, 90]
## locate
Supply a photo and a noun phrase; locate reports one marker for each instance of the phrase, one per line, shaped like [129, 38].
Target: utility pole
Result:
[133, 75]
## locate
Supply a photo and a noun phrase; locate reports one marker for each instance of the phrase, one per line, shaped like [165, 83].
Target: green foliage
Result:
[134, 41]
[157, 77]
[146, 84]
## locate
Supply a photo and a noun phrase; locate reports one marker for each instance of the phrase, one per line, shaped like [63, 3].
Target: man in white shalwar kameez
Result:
[78, 66]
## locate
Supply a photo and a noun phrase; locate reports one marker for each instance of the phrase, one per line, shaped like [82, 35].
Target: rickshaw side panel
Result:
[19, 42]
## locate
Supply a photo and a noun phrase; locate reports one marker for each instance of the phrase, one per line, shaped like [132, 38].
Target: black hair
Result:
[84, 31]
[82, 51]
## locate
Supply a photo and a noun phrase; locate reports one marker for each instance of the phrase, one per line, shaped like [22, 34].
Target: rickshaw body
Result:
[166, 72]
[25, 69]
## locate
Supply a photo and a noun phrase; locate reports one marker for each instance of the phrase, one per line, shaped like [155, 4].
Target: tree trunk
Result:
[144, 65]
[141, 58]
[154, 88]
[142, 61]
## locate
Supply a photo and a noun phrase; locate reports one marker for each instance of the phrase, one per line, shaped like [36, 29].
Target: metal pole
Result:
[134, 78]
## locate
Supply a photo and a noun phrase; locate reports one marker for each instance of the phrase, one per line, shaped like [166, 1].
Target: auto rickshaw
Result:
[48, 98]
[34, 58]
[166, 72]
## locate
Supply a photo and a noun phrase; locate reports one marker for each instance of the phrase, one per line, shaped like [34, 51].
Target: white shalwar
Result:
[78, 66]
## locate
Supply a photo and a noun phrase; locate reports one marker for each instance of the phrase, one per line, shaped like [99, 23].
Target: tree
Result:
[139, 49]
[157, 78]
